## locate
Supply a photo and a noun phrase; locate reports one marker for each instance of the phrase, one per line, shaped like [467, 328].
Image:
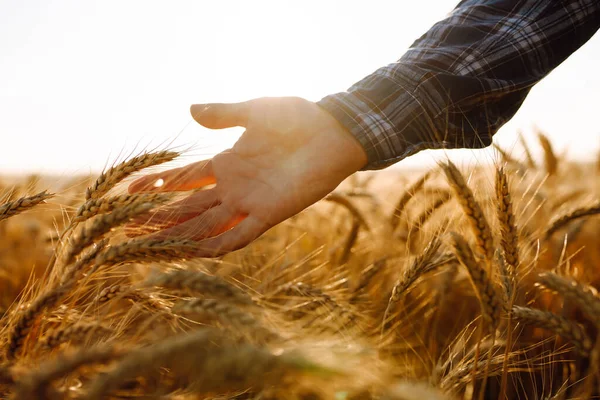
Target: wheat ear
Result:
[421, 264]
[477, 221]
[228, 314]
[108, 179]
[77, 267]
[528, 156]
[585, 297]
[15, 207]
[146, 250]
[130, 293]
[569, 330]
[550, 159]
[366, 277]
[102, 225]
[346, 203]
[26, 318]
[508, 228]
[565, 219]
[490, 300]
[76, 333]
[199, 283]
[422, 219]
[105, 205]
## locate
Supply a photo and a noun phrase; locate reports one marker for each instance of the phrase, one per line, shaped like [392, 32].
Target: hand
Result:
[292, 154]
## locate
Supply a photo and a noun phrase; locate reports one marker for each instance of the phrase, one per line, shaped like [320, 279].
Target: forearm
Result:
[462, 80]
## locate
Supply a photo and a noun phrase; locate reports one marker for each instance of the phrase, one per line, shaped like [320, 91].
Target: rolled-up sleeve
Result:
[464, 78]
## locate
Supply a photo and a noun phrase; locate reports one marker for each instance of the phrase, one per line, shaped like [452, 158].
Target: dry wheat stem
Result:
[477, 221]
[199, 283]
[491, 305]
[568, 330]
[563, 220]
[405, 198]
[107, 180]
[102, 225]
[22, 204]
[208, 361]
[585, 297]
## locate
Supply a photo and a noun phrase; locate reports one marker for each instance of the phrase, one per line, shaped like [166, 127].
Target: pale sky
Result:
[82, 82]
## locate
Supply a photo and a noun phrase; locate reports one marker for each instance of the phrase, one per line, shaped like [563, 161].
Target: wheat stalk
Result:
[22, 204]
[108, 179]
[569, 330]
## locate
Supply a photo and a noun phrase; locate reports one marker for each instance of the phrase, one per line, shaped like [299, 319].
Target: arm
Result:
[464, 78]
[454, 88]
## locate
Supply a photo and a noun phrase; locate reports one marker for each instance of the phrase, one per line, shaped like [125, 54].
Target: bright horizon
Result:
[84, 82]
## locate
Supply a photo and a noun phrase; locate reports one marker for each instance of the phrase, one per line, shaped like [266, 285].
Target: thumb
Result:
[220, 115]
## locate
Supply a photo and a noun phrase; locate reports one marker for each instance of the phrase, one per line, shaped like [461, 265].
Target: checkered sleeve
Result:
[464, 78]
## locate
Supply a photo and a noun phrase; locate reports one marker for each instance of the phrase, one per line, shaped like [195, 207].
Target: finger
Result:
[221, 115]
[193, 176]
[173, 214]
[210, 223]
[234, 239]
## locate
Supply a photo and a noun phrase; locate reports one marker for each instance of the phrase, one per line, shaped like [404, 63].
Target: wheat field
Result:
[450, 283]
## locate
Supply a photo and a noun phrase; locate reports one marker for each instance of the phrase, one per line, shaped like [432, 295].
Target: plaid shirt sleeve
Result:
[464, 78]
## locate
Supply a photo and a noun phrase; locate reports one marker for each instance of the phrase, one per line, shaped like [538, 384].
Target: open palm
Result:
[291, 155]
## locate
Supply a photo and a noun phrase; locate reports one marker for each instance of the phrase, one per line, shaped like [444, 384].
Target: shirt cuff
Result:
[388, 116]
